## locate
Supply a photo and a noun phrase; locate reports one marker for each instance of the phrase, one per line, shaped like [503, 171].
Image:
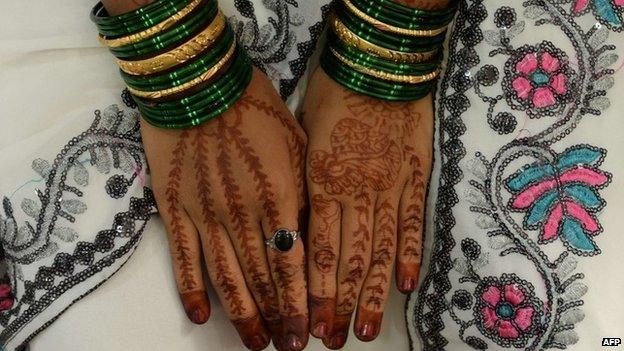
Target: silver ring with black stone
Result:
[282, 240]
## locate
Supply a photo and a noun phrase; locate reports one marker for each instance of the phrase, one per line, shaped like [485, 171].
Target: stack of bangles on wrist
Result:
[384, 49]
[179, 59]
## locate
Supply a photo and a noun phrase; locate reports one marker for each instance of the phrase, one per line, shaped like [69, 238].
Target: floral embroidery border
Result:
[558, 192]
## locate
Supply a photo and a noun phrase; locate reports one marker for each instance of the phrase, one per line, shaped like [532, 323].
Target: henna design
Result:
[382, 254]
[361, 157]
[239, 218]
[356, 261]
[368, 150]
[182, 253]
[224, 275]
[413, 221]
[297, 141]
[247, 153]
[327, 211]
[425, 4]
[284, 270]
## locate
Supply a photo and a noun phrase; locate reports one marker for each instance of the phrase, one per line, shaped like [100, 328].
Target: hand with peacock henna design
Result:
[224, 187]
[368, 164]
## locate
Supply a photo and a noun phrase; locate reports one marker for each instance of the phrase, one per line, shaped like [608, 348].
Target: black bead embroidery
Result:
[505, 17]
[442, 297]
[112, 132]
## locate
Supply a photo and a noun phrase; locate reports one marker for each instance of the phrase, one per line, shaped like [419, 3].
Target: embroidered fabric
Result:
[525, 112]
[75, 201]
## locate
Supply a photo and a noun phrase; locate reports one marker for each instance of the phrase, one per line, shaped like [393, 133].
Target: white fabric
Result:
[603, 282]
[54, 75]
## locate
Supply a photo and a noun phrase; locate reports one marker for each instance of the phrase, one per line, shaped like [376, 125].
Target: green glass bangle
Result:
[358, 25]
[184, 73]
[201, 99]
[226, 103]
[170, 38]
[379, 63]
[388, 40]
[138, 20]
[135, 21]
[382, 85]
[221, 97]
[371, 86]
[196, 98]
[361, 85]
[100, 16]
[386, 15]
[414, 12]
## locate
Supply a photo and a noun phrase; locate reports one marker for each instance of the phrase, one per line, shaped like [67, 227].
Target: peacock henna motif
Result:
[361, 157]
[182, 253]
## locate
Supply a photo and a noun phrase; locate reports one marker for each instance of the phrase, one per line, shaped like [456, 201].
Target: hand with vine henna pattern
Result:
[224, 187]
[368, 164]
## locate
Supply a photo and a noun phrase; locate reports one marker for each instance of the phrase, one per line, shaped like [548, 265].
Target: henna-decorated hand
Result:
[368, 164]
[224, 187]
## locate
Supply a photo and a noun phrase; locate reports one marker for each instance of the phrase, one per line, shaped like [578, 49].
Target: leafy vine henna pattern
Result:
[368, 166]
[223, 188]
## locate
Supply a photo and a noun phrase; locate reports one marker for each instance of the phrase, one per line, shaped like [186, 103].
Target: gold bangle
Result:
[385, 75]
[389, 28]
[150, 32]
[179, 55]
[180, 88]
[351, 39]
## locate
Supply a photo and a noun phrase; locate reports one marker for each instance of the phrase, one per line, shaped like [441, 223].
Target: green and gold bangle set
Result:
[384, 49]
[179, 59]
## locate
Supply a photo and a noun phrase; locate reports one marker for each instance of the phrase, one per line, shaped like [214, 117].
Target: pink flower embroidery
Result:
[506, 310]
[503, 311]
[539, 80]
[6, 297]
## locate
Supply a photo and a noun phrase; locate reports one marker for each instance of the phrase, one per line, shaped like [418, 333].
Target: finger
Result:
[227, 279]
[185, 249]
[288, 272]
[411, 214]
[377, 284]
[355, 254]
[248, 239]
[323, 249]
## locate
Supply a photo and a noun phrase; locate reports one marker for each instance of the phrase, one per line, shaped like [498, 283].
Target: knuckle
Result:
[355, 268]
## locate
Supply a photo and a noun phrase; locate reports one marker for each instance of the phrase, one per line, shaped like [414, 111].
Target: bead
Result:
[283, 240]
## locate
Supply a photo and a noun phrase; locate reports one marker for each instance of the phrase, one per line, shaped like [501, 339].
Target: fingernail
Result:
[258, 342]
[294, 342]
[320, 330]
[368, 329]
[367, 332]
[337, 341]
[198, 317]
[408, 285]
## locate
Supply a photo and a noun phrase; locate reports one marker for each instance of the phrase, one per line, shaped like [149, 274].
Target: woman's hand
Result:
[224, 187]
[368, 164]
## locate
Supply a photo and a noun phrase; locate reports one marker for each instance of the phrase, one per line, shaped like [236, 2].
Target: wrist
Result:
[425, 4]
[118, 7]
